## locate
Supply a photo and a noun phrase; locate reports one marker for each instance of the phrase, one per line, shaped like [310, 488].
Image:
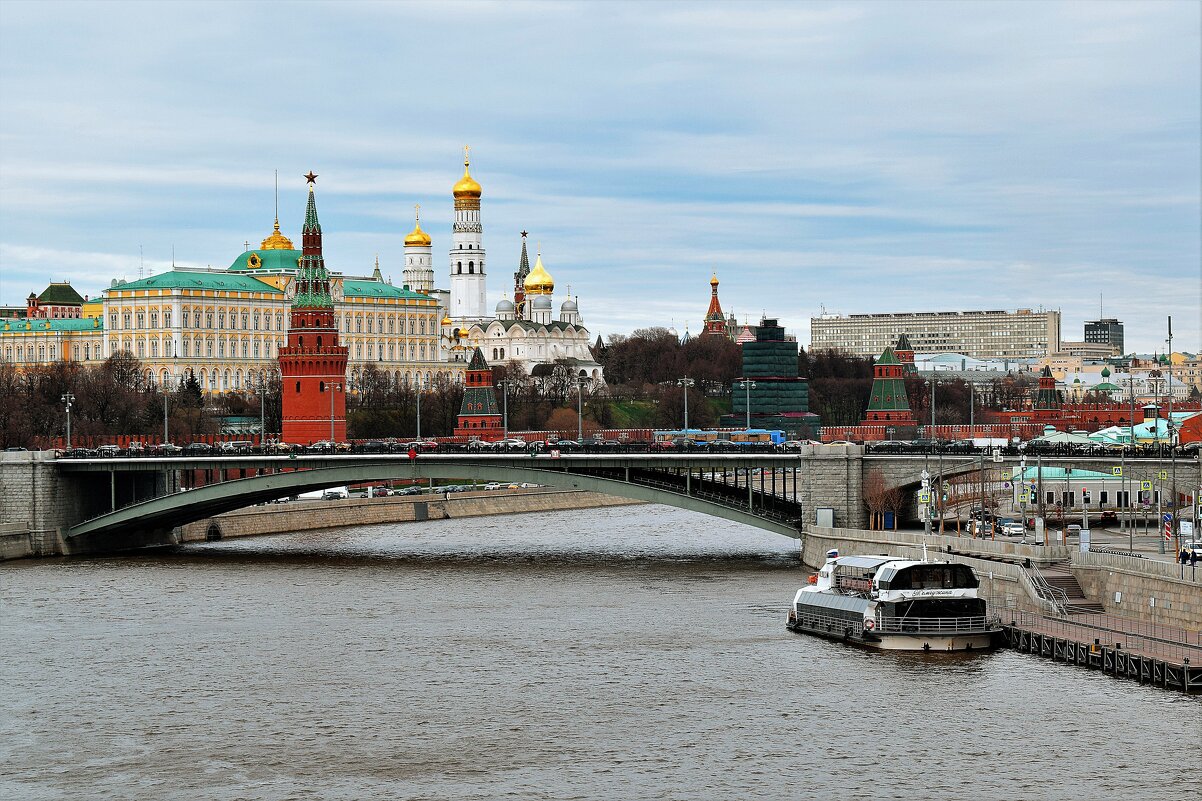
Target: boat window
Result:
[934, 577]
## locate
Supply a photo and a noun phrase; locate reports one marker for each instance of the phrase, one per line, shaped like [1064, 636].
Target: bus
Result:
[706, 437]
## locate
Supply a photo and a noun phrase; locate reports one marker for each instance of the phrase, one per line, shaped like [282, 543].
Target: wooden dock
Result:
[1167, 661]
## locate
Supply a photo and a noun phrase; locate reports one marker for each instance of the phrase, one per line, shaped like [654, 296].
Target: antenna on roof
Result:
[141, 263]
[277, 195]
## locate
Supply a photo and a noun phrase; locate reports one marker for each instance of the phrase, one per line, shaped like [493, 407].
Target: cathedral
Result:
[523, 331]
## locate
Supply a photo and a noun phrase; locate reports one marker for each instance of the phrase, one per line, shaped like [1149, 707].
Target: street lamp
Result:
[68, 399]
[747, 384]
[504, 384]
[579, 409]
[686, 383]
[166, 439]
[419, 407]
[333, 388]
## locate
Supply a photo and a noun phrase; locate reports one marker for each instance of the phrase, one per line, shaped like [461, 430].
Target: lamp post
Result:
[333, 388]
[68, 399]
[504, 385]
[166, 438]
[419, 407]
[262, 410]
[686, 383]
[579, 410]
[748, 385]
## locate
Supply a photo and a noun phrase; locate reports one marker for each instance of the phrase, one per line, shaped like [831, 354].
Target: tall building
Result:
[1021, 334]
[779, 399]
[59, 301]
[467, 301]
[313, 373]
[1107, 331]
[419, 257]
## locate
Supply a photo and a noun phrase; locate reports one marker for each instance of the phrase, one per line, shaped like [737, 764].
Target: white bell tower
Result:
[467, 251]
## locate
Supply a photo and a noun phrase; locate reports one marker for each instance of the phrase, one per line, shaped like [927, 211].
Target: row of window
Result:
[256, 321]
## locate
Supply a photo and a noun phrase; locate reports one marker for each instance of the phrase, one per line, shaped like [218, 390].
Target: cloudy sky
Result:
[856, 158]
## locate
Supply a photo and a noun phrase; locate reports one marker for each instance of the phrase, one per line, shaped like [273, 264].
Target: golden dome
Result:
[466, 187]
[714, 280]
[539, 281]
[417, 238]
[277, 241]
[447, 320]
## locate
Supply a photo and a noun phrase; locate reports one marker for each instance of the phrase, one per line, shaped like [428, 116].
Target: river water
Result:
[620, 653]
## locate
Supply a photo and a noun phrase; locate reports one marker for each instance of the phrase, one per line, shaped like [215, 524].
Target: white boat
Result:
[894, 603]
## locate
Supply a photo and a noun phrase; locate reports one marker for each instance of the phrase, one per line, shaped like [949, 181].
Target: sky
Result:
[840, 157]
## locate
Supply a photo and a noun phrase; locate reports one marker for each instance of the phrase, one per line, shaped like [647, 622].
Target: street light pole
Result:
[686, 383]
[419, 407]
[68, 399]
[166, 438]
[333, 388]
[579, 410]
[747, 385]
[504, 385]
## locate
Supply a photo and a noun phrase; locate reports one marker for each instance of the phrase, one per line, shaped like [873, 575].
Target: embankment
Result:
[310, 515]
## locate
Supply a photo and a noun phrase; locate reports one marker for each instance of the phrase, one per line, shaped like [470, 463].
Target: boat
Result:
[895, 603]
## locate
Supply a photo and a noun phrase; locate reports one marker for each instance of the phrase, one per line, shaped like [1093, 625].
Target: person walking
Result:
[1185, 554]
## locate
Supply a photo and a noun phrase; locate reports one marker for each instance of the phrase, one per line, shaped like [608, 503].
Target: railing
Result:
[1137, 564]
[1173, 646]
[974, 624]
[1054, 596]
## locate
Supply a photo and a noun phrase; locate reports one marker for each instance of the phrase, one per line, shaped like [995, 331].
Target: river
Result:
[620, 653]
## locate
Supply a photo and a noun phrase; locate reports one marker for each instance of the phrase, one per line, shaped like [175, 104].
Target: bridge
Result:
[90, 505]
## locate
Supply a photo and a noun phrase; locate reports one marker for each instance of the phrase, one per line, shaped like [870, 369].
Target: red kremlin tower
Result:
[313, 364]
[478, 415]
[715, 323]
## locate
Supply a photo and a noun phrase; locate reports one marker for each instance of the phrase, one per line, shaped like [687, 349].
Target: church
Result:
[524, 331]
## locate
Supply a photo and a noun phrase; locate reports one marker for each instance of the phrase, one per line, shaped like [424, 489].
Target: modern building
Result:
[1107, 331]
[1089, 350]
[777, 397]
[1021, 334]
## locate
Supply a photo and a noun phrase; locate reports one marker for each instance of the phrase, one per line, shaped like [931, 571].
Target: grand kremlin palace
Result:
[225, 326]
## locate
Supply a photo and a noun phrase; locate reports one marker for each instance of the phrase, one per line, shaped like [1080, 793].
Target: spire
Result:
[375, 274]
[312, 279]
[714, 323]
[524, 261]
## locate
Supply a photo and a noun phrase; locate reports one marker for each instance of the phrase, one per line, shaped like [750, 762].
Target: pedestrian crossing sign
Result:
[1145, 486]
[1116, 471]
[1163, 475]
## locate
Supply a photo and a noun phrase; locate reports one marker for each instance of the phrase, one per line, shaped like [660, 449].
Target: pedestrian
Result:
[1193, 557]
[1184, 556]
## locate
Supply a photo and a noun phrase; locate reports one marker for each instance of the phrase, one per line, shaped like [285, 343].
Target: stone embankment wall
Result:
[1153, 591]
[1178, 601]
[318, 514]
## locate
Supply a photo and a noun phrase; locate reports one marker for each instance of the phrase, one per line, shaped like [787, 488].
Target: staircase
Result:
[1062, 578]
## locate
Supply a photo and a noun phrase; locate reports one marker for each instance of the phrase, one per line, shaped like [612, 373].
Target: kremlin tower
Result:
[478, 415]
[888, 404]
[312, 364]
[519, 282]
[419, 265]
[467, 302]
[905, 354]
[715, 323]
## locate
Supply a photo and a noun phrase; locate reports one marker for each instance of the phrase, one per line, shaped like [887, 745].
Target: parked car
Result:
[168, 449]
[198, 449]
[108, 451]
[375, 446]
[236, 446]
[414, 490]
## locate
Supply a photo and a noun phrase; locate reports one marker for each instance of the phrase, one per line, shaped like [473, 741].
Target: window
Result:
[471, 267]
[125, 320]
[1050, 496]
[113, 320]
[208, 319]
[154, 319]
[1104, 497]
[245, 321]
[167, 319]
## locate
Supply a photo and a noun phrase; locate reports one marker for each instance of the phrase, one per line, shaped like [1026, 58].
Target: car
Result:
[382, 491]
[1013, 528]
[136, 448]
[1194, 547]
[492, 485]
[374, 446]
[198, 449]
[413, 490]
[1109, 515]
[236, 446]
[480, 445]
[108, 451]
[566, 445]
[168, 449]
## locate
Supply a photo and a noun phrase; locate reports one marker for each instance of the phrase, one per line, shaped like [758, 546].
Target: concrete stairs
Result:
[1063, 579]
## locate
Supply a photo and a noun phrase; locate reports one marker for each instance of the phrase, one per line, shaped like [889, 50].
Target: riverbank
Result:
[296, 516]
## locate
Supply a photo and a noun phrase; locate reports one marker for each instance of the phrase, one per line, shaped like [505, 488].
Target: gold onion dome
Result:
[447, 320]
[276, 240]
[417, 237]
[539, 281]
[714, 280]
[466, 187]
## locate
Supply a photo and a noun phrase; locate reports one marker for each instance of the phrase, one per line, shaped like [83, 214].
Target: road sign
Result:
[924, 497]
[1116, 471]
[1145, 486]
[1166, 517]
[1163, 475]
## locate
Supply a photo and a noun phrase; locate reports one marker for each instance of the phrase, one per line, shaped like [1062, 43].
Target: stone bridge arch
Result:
[161, 514]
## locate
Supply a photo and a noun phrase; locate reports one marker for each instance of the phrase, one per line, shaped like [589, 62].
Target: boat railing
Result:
[937, 625]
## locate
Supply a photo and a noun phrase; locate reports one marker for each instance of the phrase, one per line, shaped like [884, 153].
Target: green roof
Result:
[179, 279]
[60, 295]
[269, 261]
[360, 288]
[35, 324]
[888, 357]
